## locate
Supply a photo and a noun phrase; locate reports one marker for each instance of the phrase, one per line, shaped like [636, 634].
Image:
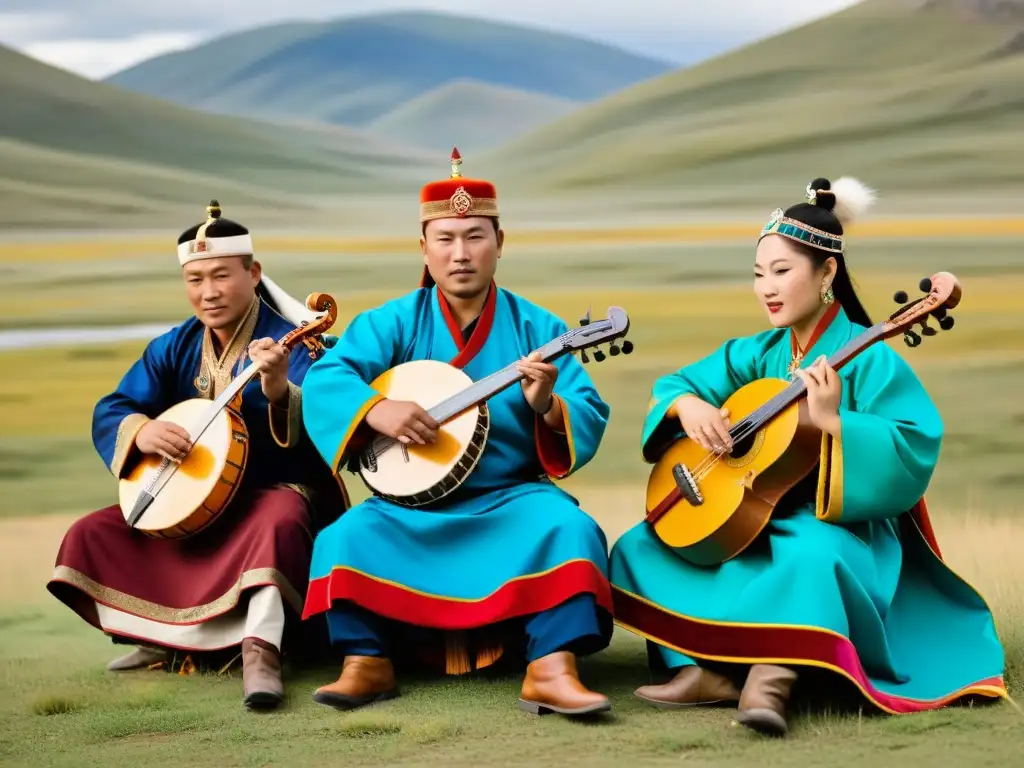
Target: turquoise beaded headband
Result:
[797, 230]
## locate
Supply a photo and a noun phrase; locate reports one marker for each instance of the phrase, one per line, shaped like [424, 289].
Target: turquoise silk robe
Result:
[847, 575]
[509, 542]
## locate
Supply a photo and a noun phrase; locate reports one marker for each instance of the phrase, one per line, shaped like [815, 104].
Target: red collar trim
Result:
[469, 349]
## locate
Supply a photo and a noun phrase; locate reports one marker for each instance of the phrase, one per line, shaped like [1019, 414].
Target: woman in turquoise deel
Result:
[847, 576]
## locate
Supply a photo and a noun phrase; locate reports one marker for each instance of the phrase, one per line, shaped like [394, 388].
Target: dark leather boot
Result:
[552, 684]
[765, 696]
[261, 674]
[363, 680]
[692, 686]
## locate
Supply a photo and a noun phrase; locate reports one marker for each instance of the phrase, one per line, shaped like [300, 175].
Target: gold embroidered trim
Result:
[293, 413]
[162, 613]
[216, 373]
[828, 503]
[302, 490]
[447, 209]
[127, 430]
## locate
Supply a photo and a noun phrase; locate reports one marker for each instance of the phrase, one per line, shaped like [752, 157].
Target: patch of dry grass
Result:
[66, 711]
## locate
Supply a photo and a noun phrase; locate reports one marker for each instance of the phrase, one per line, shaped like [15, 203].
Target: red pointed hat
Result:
[457, 197]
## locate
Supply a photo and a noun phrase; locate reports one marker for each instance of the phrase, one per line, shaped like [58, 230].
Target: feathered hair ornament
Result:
[853, 199]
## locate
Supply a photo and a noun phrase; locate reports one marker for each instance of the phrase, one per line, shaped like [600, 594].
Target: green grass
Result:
[76, 152]
[61, 708]
[913, 102]
[440, 118]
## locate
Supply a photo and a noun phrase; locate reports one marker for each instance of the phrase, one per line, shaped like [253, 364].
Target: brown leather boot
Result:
[763, 701]
[552, 684]
[692, 686]
[364, 680]
[261, 674]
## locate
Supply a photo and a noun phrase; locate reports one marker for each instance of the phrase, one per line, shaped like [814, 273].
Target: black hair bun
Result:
[819, 194]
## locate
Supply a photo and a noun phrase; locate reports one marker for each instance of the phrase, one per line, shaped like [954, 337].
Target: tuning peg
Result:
[925, 285]
[946, 323]
[939, 313]
[911, 339]
[900, 297]
[598, 355]
[585, 320]
[927, 330]
[583, 357]
[613, 350]
[627, 347]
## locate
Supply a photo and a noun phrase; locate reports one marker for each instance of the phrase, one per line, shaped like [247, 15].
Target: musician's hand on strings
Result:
[164, 438]
[273, 360]
[539, 384]
[705, 423]
[824, 394]
[403, 420]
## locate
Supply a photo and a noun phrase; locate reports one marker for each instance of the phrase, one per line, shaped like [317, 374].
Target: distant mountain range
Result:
[918, 97]
[79, 153]
[409, 72]
[912, 95]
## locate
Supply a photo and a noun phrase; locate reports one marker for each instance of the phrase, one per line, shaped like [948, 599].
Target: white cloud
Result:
[17, 28]
[99, 58]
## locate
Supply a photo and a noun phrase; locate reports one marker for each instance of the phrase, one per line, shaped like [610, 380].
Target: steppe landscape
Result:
[622, 181]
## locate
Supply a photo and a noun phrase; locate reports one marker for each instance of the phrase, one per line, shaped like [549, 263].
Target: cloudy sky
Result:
[99, 37]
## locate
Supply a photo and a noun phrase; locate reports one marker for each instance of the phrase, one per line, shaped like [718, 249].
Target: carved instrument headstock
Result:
[309, 331]
[942, 293]
[592, 333]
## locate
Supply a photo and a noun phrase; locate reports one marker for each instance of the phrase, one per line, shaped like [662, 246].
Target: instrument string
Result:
[751, 424]
[455, 404]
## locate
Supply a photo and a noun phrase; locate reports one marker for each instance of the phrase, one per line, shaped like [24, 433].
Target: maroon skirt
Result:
[265, 538]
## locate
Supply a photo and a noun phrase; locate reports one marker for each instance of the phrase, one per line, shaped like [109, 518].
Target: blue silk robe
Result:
[175, 366]
[847, 575]
[509, 543]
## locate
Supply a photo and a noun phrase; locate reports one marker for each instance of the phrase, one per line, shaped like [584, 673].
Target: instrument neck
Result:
[798, 389]
[487, 387]
[238, 383]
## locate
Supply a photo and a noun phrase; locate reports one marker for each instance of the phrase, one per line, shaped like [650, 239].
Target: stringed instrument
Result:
[709, 508]
[413, 475]
[167, 500]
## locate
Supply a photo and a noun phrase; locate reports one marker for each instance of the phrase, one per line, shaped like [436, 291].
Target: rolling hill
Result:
[470, 114]
[357, 69]
[77, 152]
[914, 96]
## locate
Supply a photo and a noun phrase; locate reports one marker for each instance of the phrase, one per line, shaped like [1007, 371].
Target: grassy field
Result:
[62, 708]
[118, 156]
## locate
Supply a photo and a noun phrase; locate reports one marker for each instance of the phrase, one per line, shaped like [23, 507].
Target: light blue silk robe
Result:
[509, 543]
[848, 577]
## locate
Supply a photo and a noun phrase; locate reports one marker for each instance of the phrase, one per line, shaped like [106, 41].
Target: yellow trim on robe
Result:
[985, 690]
[995, 691]
[136, 606]
[127, 431]
[293, 418]
[828, 504]
[448, 598]
[567, 426]
[352, 427]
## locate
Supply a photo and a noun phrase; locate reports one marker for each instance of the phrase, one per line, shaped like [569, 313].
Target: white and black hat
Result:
[217, 238]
